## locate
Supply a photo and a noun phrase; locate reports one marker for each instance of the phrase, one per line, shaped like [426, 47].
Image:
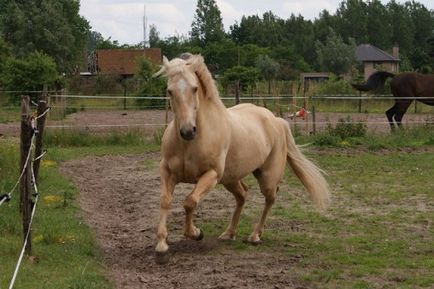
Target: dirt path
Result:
[120, 197]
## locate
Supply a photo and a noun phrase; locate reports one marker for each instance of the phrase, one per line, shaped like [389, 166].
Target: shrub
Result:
[346, 128]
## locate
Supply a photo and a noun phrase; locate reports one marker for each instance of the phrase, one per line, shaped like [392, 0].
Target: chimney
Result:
[395, 51]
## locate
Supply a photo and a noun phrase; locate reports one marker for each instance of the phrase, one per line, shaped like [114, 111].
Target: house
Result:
[373, 59]
[124, 61]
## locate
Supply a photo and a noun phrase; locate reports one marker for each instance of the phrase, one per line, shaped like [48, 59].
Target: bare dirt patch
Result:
[151, 120]
[120, 199]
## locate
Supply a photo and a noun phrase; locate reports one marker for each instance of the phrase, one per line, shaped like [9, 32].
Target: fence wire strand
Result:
[8, 196]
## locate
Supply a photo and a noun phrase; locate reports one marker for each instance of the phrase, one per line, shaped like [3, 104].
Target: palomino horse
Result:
[207, 144]
[405, 87]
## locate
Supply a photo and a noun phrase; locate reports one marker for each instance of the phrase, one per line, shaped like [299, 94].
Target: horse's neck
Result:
[211, 115]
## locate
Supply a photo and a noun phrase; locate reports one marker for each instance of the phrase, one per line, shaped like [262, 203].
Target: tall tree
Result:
[378, 25]
[335, 55]
[268, 68]
[51, 26]
[402, 26]
[352, 21]
[154, 36]
[207, 26]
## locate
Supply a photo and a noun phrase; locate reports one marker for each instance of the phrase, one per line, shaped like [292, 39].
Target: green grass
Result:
[377, 234]
[9, 115]
[417, 137]
[64, 247]
[82, 138]
[378, 230]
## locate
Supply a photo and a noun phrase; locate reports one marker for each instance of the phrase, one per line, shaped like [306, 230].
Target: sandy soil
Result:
[151, 120]
[120, 197]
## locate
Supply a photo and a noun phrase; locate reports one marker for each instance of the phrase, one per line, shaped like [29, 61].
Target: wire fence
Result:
[27, 167]
[155, 110]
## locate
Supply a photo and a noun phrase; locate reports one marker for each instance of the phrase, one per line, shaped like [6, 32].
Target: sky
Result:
[122, 20]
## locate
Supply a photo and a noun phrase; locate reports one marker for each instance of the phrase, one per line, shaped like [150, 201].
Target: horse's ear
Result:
[163, 67]
[195, 61]
[165, 60]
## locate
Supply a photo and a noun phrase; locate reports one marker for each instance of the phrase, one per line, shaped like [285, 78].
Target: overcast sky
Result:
[122, 20]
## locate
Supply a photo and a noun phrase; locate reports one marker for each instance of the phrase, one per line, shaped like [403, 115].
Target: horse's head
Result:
[183, 88]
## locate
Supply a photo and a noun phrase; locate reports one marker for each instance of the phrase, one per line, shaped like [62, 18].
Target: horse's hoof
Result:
[227, 238]
[253, 243]
[200, 237]
[162, 258]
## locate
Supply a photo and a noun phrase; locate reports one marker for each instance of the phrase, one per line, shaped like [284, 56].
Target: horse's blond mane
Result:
[194, 63]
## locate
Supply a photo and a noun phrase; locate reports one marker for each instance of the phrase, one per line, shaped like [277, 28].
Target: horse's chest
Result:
[189, 167]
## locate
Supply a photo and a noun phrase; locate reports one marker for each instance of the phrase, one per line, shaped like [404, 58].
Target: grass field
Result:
[64, 250]
[378, 233]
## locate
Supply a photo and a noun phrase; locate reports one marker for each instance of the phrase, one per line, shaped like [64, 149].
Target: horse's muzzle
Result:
[188, 134]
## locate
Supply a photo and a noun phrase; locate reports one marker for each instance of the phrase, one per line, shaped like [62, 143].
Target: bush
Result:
[333, 86]
[346, 128]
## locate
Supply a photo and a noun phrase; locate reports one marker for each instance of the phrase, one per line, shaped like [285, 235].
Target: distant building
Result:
[124, 61]
[120, 61]
[374, 59]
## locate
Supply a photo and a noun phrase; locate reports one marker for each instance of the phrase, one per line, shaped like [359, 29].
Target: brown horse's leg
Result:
[402, 109]
[167, 186]
[206, 182]
[390, 113]
[239, 190]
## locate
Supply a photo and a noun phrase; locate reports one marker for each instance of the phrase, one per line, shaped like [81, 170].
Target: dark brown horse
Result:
[405, 87]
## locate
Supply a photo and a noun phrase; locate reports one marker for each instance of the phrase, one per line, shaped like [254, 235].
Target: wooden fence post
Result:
[40, 124]
[25, 182]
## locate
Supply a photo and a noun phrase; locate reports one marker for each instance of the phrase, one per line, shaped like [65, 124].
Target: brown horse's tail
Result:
[309, 174]
[375, 81]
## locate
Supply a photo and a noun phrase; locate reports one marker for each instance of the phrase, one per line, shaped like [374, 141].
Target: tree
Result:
[4, 54]
[242, 77]
[148, 85]
[378, 25]
[97, 41]
[351, 21]
[53, 27]
[268, 69]
[207, 26]
[29, 73]
[154, 36]
[335, 55]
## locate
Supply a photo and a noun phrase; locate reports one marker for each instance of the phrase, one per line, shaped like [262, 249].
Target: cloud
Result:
[309, 9]
[122, 19]
[229, 13]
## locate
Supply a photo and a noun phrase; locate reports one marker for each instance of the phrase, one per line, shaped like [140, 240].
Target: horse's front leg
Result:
[168, 183]
[206, 182]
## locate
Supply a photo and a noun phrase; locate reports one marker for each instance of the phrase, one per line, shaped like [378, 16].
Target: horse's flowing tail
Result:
[374, 82]
[309, 174]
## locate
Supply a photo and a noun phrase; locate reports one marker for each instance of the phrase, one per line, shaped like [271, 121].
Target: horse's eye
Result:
[169, 92]
[195, 89]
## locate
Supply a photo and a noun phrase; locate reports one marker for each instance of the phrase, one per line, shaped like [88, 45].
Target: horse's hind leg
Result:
[402, 109]
[270, 194]
[239, 190]
[390, 113]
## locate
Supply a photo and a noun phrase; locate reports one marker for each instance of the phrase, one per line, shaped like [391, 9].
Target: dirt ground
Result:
[119, 196]
[151, 120]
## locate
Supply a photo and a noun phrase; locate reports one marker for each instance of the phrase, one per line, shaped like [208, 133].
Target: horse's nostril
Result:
[187, 134]
[194, 129]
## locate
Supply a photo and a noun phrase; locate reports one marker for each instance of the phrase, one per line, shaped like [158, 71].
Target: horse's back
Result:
[413, 84]
[248, 115]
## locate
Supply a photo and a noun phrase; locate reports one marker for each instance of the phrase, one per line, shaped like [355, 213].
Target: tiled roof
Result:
[368, 52]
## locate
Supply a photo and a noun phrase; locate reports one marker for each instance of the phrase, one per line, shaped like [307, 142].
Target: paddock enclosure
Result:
[377, 233]
[344, 248]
